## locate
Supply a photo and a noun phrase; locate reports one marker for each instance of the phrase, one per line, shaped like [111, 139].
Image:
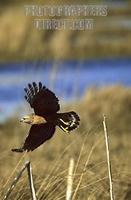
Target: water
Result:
[69, 80]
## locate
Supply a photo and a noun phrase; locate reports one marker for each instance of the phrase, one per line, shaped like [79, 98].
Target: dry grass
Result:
[86, 146]
[105, 40]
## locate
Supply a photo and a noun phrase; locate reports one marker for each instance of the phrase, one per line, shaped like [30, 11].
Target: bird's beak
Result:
[21, 120]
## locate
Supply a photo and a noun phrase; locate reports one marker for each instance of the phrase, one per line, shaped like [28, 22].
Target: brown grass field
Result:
[85, 145]
[106, 39]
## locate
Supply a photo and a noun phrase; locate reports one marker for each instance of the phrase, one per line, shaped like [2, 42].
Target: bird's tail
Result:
[68, 121]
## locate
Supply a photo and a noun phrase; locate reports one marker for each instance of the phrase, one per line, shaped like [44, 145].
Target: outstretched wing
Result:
[38, 134]
[41, 99]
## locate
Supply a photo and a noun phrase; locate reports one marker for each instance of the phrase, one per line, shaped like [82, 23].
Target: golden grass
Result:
[105, 39]
[86, 146]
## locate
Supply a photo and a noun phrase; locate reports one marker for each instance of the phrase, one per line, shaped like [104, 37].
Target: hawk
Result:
[45, 117]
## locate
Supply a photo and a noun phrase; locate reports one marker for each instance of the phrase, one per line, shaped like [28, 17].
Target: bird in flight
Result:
[45, 117]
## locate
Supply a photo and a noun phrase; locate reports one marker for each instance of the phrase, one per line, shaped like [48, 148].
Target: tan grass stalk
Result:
[70, 180]
[32, 189]
[16, 179]
[21, 158]
[84, 169]
[58, 181]
[108, 158]
[44, 185]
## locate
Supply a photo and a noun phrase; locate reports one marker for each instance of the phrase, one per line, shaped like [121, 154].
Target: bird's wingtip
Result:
[20, 150]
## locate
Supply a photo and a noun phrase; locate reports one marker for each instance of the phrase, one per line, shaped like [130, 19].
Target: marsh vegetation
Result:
[86, 146]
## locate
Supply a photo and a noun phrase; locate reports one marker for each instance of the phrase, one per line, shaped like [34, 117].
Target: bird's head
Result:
[28, 119]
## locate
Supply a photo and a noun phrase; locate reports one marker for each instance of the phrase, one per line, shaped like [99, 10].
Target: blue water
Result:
[69, 80]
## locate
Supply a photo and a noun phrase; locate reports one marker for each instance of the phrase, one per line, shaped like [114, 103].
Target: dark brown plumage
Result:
[41, 99]
[38, 134]
[45, 105]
